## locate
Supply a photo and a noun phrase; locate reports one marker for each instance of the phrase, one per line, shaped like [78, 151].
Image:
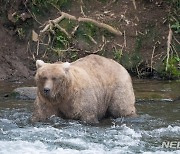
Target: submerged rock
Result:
[25, 93]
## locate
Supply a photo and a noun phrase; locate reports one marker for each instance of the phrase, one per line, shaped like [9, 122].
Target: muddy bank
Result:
[141, 48]
[14, 62]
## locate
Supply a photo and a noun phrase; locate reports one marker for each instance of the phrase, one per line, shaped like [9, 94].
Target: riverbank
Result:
[140, 44]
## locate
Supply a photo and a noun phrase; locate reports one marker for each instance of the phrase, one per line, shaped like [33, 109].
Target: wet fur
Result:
[90, 89]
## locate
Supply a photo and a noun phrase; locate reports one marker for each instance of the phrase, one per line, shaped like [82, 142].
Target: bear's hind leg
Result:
[122, 104]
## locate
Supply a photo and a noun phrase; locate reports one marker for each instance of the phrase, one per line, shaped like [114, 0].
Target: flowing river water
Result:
[156, 130]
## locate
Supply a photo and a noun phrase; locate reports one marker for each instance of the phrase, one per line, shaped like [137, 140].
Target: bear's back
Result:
[102, 68]
[96, 62]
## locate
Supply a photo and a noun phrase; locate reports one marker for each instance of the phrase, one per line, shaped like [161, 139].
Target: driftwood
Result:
[51, 24]
[55, 23]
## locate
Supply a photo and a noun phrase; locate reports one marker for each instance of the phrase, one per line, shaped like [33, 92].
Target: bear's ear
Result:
[39, 63]
[66, 66]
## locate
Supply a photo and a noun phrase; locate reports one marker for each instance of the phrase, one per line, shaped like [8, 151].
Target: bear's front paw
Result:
[91, 119]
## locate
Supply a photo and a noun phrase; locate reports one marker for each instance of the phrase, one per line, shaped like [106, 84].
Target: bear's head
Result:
[52, 79]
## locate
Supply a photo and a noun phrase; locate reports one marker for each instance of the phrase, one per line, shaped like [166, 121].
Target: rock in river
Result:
[25, 93]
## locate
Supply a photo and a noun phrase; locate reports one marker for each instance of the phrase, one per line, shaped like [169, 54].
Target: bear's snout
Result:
[46, 91]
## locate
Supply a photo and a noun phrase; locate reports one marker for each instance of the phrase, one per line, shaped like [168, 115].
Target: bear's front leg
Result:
[42, 111]
[89, 115]
[87, 104]
[90, 119]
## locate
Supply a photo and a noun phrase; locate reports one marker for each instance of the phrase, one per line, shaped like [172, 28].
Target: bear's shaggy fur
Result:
[88, 89]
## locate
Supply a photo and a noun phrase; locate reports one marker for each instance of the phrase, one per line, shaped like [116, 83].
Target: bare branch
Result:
[91, 38]
[74, 30]
[134, 3]
[168, 47]
[80, 19]
[63, 30]
[101, 25]
[68, 16]
[152, 56]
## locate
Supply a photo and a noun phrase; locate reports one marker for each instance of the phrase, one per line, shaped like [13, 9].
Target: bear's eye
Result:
[53, 78]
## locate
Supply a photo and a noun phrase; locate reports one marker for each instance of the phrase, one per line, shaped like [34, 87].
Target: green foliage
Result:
[173, 68]
[86, 31]
[20, 33]
[176, 27]
[61, 41]
[90, 29]
[73, 55]
[174, 15]
[68, 25]
[41, 7]
[45, 3]
[138, 43]
[117, 55]
[129, 61]
[175, 4]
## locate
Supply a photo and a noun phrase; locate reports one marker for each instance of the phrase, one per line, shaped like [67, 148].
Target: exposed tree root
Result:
[53, 23]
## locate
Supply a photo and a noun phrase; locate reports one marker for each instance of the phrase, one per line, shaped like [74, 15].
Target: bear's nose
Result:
[46, 90]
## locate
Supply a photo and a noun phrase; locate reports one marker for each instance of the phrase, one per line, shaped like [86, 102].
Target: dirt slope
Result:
[143, 25]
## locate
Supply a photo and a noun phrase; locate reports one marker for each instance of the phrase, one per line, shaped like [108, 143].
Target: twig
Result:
[173, 48]
[49, 39]
[51, 28]
[29, 49]
[37, 49]
[119, 45]
[55, 6]
[134, 3]
[74, 30]
[45, 53]
[32, 14]
[124, 38]
[100, 49]
[45, 28]
[176, 39]
[152, 57]
[63, 30]
[81, 7]
[168, 47]
[65, 50]
[91, 38]
[82, 12]
[138, 74]
[67, 16]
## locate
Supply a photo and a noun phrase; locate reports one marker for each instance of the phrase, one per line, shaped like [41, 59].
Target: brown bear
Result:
[88, 89]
